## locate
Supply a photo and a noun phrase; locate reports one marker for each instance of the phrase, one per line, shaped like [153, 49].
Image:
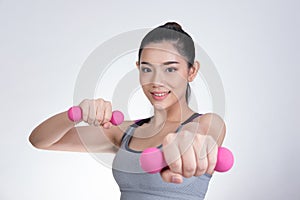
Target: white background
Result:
[254, 44]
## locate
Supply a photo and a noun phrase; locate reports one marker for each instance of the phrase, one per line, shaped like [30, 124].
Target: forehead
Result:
[161, 52]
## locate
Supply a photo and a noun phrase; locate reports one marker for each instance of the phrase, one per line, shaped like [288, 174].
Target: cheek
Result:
[177, 81]
[178, 85]
[146, 78]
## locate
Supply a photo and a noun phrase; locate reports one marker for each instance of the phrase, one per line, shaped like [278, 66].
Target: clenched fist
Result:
[189, 152]
[97, 112]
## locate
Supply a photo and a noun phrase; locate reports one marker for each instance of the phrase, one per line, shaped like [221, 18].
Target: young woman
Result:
[166, 64]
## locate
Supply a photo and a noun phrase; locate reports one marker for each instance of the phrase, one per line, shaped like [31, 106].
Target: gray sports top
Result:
[135, 184]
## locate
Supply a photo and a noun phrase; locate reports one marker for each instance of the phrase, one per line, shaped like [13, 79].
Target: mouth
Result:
[160, 95]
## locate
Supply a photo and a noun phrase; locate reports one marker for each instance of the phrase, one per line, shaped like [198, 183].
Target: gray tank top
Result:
[135, 184]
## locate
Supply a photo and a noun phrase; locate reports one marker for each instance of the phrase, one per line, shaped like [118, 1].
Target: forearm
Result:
[51, 130]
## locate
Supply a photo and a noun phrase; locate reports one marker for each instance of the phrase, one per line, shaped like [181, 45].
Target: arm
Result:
[59, 133]
[214, 126]
[193, 151]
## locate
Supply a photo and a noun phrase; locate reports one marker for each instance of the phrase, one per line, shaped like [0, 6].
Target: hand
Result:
[96, 112]
[190, 152]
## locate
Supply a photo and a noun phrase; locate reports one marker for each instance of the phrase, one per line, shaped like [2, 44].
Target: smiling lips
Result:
[160, 95]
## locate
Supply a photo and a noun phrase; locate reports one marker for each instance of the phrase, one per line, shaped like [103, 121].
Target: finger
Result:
[212, 150]
[172, 153]
[170, 177]
[188, 162]
[100, 112]
[85, 110]
[107, 112]
[91, 114]
[202, 165]
[96, 122]
[200, 155]
[185, 141]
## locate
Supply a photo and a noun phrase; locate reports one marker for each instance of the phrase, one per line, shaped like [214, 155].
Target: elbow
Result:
[38, 145]
[33, 140]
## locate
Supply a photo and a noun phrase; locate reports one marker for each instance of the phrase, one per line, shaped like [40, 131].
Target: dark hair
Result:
[182, 41]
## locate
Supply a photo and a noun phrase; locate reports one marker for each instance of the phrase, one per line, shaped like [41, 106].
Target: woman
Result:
[166, 64]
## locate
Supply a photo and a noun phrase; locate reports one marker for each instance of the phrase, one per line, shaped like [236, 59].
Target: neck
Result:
[176, 113]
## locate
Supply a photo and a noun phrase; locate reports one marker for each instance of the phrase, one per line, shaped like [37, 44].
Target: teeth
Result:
[160, 94]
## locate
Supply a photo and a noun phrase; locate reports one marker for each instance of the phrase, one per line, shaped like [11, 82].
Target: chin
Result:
[160, 106]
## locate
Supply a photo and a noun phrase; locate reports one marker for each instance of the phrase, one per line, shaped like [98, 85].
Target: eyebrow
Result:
[165, 63]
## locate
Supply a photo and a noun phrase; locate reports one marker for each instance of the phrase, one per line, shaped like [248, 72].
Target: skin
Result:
[190, 152]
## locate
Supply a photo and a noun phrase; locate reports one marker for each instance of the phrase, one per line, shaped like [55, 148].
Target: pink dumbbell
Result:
[152, 160]
[75, 115]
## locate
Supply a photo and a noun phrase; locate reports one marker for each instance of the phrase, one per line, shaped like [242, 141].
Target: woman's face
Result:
[163, 74]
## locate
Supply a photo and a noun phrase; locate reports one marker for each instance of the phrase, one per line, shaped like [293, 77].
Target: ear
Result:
[193, 71]
[137, 64]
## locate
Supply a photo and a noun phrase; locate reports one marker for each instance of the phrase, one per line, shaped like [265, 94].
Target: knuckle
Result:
[176, 167]
[189, 170]
[100, 118]
[83, 105]
[85, 101]
[108, 103]
[202, 167]
[186, 136]
[89, 101]
[200, 171]
[168, 139]
[100, 101]
[198, 137]
[106, 119]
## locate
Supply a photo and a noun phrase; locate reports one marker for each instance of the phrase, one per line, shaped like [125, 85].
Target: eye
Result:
[171, 69]
[145, 69]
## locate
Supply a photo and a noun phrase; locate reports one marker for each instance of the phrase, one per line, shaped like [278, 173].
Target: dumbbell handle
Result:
[75, 115]
[152, 160]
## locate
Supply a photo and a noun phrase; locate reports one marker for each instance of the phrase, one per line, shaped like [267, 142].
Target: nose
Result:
[157, 78]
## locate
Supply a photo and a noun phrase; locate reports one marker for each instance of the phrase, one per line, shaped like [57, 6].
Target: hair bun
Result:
[172, 25]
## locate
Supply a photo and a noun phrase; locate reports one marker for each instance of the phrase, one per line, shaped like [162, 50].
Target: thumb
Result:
[107, 125]
[168, 176]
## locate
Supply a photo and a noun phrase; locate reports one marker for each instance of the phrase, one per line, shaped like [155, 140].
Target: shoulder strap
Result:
[191, 118]
[127, 133]
[141, 122]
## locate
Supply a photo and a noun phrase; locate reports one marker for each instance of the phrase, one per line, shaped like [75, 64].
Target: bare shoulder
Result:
[211, 119]
[214, 125]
